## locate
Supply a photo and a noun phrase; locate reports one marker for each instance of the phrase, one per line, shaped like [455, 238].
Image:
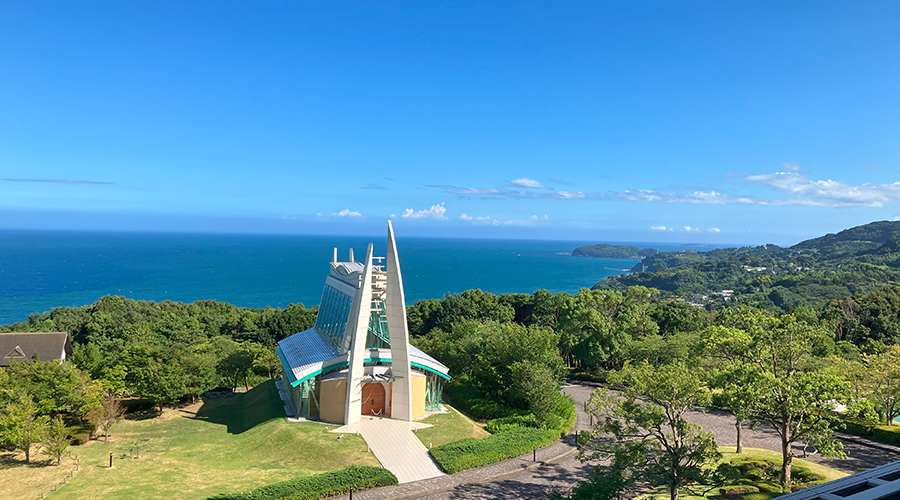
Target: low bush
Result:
[469, 453]
[506, 423]
[738, 489]
[326, 484]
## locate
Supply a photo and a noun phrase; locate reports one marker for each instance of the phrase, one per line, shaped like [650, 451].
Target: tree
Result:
[107, 414]
[882, 382]
[536, 386]
[22, 426]
[236, 366]
[54, 387]
[796, 395]
[738, 393]
[586, 326]
[652, 440]
[266, 361]
[56, 439]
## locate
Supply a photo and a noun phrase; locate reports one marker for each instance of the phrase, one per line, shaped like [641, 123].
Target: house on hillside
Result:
[357, 359]
[22, 347]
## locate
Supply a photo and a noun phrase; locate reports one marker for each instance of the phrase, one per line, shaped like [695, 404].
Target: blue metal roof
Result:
[304, 352]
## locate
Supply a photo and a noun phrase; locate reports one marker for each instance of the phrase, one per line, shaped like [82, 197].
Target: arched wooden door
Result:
[373, 399]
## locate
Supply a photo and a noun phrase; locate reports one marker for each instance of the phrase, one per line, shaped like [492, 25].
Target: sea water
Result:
[42, 270]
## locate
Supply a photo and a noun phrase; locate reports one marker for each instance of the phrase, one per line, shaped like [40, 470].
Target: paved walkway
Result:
[398, 449]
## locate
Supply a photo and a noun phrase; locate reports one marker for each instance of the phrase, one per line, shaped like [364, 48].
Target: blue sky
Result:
[724, 122]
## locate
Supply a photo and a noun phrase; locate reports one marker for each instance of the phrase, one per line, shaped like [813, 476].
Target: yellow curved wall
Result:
[418, 397]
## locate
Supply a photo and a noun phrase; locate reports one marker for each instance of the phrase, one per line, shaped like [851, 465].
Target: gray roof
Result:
[874, 484]
[22, 346]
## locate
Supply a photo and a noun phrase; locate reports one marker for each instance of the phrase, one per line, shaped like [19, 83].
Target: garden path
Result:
[398, 449]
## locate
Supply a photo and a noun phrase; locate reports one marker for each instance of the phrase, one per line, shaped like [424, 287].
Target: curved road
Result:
[557, 468]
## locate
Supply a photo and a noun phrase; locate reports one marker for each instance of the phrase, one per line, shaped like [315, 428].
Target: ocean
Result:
[42, 270]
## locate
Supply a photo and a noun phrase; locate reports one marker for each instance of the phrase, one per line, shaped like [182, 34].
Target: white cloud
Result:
[796, 190]
[827, 193]
[463, 216]
[534, 217]
[346, 213]
[290, 217]
[714, 230]
[545, 217]
[528, 183]
[794, 167]
[690, 229]
[435, 212]
[659, 228]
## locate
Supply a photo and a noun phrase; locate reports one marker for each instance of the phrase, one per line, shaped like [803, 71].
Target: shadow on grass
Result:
[9, 461]
[245, 411]
[143, 414]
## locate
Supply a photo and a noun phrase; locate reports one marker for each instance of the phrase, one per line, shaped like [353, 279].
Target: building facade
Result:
[357, 359]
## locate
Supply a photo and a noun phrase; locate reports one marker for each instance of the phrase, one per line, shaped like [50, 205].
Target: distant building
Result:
[22, 347]
[357, 359]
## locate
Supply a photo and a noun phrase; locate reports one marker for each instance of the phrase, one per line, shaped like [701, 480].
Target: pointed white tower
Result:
[395, 311]
[359, 316]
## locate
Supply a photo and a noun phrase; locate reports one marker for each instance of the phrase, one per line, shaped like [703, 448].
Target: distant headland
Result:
[604, 251]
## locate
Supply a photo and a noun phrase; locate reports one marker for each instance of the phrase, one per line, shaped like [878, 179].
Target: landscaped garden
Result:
[755, 477]
[217, 446]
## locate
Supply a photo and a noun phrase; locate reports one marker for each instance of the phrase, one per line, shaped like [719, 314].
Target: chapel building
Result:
[357, 359]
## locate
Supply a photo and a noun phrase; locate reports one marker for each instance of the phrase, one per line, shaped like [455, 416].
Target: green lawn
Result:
[729, 454]
[449, 427]
[215, 447]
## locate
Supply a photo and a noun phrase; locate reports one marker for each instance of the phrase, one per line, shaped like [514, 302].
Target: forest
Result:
[811, 273]
[508, 355]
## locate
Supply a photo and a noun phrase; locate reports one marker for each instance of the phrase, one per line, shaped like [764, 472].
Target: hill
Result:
[604, 251]
[857, 260]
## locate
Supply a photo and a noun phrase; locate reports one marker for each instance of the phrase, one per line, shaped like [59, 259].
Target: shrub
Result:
[803, 475]
[468, 453]
[515, 421]
[468, 399]
[326, 484]
[738, 489]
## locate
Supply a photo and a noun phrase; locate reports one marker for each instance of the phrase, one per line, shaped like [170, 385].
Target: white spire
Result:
[351, 255]
[359, 316]
[334, 258]
[395, 311]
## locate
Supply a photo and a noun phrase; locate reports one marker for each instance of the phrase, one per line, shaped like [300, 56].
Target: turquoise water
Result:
[41, 270]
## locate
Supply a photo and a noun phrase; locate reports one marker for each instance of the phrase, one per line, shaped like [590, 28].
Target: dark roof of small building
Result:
[22, 346]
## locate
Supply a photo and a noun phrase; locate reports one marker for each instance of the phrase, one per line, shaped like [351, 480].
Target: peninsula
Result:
[604, 251]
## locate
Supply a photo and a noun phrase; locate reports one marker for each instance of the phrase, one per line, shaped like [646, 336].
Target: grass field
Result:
[728, 454]
[218, 446]
[449, 427]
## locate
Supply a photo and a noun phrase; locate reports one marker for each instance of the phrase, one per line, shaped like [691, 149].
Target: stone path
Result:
[557, 468]
[398, 449]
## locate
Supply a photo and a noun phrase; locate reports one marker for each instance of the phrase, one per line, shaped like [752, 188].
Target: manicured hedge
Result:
[468, 453]
[327, 484]
[889, 434]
